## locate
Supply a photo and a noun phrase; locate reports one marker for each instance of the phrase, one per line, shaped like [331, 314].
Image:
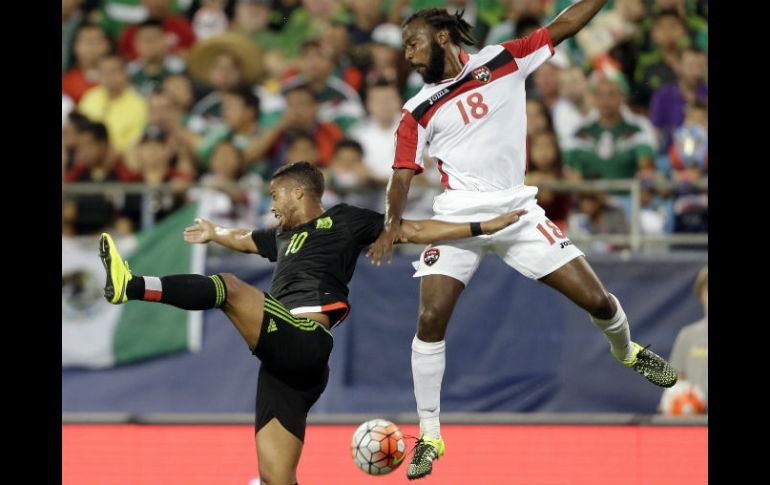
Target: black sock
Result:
[185, 291]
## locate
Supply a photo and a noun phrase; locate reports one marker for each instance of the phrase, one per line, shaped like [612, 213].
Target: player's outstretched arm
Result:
[429, 231]
[204, 231]
[398, 188]
[573, 18]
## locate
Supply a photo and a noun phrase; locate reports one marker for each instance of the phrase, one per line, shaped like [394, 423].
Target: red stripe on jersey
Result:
[529, 44]
[501, 71]
[406, 143]
[152, 295]
[444, 175]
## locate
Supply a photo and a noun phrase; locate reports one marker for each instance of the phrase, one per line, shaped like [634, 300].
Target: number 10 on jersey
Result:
[477, 107]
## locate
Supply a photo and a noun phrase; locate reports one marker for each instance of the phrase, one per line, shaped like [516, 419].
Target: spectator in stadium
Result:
[90, 45]
[180, 89]
[387, 60]
[574, 104]
[229, 191]
[695, 24]
[596, 216]
[659, 66]
[689, 150]
[300, 146]
[252, 19]
[367, 14]
[240, 111]
[210, 19]
[667, 109]
[512, 26]
[338, 102]
[179, 32]
[70, 132]
[300, 116]
[611, 146]
[538, 117]
[226, 63]
[375, 132]
[545, 165]
[348, 179]
[89, 213]
[154, 63]
[546, 82]
[690, 354]
[71, 18]
[610, 28]
[116, 103]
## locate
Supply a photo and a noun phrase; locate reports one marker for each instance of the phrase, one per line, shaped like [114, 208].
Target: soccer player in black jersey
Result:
[288, 329]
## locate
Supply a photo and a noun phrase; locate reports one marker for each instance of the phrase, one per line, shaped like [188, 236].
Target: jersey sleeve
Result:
[410, 142]
[366, 225]
[265, 241]
[532, 51]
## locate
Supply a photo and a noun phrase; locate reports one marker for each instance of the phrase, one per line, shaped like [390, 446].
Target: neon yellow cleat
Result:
[118, 274]
[425, 451]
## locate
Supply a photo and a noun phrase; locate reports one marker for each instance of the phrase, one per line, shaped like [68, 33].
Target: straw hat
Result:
[202, 55]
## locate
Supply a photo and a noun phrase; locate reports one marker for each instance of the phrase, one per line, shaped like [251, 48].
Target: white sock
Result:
[617, 331]
[428, 360]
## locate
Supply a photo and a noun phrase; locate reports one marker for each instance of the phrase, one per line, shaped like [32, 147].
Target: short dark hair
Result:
[348, 143]
[248, 97]
[298, 87]
[78, 120]
[460, 31]
[150, 23]
[306, 174]
[97, 130]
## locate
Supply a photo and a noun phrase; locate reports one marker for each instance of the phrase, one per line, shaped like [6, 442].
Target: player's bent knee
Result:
[600, 305]
[430, 326]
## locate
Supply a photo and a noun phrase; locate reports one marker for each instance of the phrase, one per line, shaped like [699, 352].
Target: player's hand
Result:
[501, 222]
[199, 233]
[384, 244]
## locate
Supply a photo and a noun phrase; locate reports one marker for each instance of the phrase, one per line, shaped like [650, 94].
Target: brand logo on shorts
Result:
[482, 74]
[566, 243]
[272, 327]
[431, 256]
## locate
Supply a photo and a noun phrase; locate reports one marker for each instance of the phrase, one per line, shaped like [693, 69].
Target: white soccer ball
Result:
[378, 447]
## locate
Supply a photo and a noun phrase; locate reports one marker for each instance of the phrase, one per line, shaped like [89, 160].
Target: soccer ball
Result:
[378, 447]
[683, 399]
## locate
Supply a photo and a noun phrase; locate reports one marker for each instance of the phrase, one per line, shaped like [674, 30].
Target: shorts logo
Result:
[431, 256]
[272, 327]
[482, 74]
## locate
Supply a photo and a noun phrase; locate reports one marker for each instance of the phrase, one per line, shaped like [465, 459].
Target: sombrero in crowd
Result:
[201, 56]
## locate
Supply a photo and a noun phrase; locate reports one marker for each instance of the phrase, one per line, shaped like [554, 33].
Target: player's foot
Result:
[118, 274]
[425, 451]
[652, 366]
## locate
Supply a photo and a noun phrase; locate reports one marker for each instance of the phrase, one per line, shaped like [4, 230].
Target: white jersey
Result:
[475, 124]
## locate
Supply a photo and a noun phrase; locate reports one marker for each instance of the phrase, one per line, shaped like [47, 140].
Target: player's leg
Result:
[577, 281]
[278, 452]
[444, 270]
[538, 249]
[242, 303]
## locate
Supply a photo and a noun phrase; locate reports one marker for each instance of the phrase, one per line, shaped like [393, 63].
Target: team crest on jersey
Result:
[482, 74]
[325, 223]
[431, 256]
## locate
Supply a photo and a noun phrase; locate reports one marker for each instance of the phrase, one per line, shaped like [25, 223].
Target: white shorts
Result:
[534, 246]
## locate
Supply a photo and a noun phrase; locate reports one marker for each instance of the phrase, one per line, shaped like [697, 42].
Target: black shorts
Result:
[294, 372]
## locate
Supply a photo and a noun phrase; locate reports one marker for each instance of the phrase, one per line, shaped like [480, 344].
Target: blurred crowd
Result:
[209, 97]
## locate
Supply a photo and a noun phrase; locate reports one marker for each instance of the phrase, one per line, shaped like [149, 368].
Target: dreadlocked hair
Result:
[440, 19]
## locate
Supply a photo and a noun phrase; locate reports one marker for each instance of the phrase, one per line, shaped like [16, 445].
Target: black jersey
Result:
[316, 260]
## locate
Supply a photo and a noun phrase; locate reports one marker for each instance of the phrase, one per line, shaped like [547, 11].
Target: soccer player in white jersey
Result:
[471, 116]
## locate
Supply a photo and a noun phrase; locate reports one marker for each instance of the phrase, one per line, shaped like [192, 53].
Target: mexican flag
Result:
[96, 334]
